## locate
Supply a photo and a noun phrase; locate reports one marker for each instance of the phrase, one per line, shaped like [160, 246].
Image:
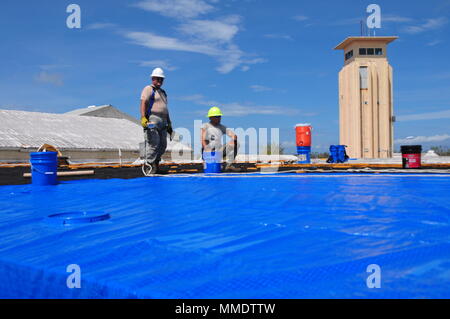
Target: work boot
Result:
[156, 165]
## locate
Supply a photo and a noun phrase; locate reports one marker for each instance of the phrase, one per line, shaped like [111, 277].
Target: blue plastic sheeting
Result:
[253, 236]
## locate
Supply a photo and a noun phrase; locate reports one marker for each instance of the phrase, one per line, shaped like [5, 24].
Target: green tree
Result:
[323, 155]
[439, 150]
[273, 149]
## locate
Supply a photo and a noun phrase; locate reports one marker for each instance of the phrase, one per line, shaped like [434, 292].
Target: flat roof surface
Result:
[230, 236]
[350, 40]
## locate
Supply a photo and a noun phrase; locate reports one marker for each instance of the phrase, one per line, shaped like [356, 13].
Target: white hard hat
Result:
[158, 73]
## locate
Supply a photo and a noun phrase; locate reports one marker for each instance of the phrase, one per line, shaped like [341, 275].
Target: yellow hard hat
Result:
[215, 111]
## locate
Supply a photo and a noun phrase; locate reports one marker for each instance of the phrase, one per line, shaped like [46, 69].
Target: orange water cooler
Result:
[303, 139]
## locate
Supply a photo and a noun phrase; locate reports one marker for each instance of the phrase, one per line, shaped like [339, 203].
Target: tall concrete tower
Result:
[366, 98]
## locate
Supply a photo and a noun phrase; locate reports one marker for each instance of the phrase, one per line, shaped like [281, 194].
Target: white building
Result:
[107, 111]
[92, 135]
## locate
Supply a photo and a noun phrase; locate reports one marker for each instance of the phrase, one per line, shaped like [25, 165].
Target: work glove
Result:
[144, 122]
[170, 130]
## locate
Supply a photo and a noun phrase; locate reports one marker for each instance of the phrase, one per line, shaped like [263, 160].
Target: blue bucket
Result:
[213, 162]
[334, 153]
[44, 167]
[213, 168]
[341, 154]
[304, 154]
[338, 154]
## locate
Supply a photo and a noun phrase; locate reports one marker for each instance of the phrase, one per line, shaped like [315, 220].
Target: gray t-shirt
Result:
[215, 134]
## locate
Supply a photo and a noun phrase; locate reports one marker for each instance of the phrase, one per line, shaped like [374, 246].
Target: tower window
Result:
[362, 51]
[349, 55]
[378, 51]
[363, 76]
[370, 51]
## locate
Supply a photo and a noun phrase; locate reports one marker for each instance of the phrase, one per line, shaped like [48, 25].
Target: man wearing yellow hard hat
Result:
[212, 135]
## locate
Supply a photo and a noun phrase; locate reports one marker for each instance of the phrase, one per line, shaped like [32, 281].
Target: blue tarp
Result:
[247, 236]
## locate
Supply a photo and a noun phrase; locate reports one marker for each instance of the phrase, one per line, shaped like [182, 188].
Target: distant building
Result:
[81, 137]
[107, 111]
[366, 98]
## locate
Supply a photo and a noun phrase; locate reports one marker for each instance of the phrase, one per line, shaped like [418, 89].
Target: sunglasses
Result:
[158, 79]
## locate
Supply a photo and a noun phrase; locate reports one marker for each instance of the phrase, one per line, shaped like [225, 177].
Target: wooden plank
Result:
[63, 174]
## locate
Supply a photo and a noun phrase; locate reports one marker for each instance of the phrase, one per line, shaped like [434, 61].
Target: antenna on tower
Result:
[365, 32]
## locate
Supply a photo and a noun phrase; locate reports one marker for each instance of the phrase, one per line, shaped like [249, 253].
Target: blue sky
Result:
[265, 63]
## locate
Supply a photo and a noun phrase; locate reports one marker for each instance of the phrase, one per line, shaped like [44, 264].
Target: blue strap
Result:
[151, 102]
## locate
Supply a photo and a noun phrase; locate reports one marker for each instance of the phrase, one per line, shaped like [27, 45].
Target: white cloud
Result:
[278, 36]
[230, 58]
[196, 98]
[218, 36]
[395, 18]
[213, 38]
[423, 139]
[239, 110]
[49, 78]
[176, 8]
[260, 88]
[229, 55]
[385, 19]
[236, 109]
[430, 24]
[434, 43]
[48, 67]
[256, 61]
[100, 26]
[153, 41]
[158, 64]
[425, 116]
[342, 22]
[301, 18]
[209, 30]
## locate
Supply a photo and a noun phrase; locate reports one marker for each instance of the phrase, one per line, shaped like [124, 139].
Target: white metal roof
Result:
[88, 109]
[20, 129]
[107, 111]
